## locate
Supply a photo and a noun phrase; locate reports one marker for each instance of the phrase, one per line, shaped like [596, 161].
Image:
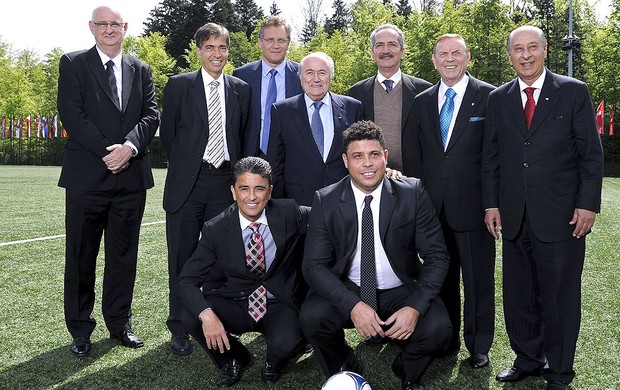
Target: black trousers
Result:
[91, 215]
[323, 326]
[542, 301]
[209, 197]
[473, 253]
[280, 326]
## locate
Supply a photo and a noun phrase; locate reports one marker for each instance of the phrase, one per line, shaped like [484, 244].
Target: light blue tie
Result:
[272, 93]
[317, 126]
[445, 116]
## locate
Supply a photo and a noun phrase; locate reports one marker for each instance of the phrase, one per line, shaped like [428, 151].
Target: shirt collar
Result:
[104, 58]
[244, 222]
[281, 68]
[359, 195]
[538, 84]
[207, 78]
[459, 87]
[396, 77]
[327, 100]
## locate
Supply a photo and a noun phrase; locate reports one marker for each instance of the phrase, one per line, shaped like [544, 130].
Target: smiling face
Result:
[213, 55]
[108, 28]
[387, 51]
[366, 162]
[251, 192]
[451, 59]
[527, 52]
[316, 77]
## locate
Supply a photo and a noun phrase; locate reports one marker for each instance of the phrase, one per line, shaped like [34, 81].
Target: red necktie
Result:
[530, 105]
[255, 262]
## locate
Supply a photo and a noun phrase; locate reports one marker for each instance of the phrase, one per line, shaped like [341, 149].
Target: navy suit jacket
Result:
[252, 73]
[221, 251]
[451, 178]
[551, 169]
[184, 130]
[408, 227]
[298, 168]
[93, 121]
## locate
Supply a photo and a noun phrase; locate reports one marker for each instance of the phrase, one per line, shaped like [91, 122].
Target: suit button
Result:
[522, 187]
[525, 165]
[528, 143]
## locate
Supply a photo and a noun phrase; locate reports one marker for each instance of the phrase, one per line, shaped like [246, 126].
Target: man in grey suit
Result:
[201, 133]
[387, 97]
[450, 149]
[305, 144]
[271, 79]
[542, 172]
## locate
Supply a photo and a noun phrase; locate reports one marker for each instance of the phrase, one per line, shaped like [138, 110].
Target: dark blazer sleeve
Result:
[143, 132]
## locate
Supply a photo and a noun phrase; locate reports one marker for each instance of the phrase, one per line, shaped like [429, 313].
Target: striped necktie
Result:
[215, 144]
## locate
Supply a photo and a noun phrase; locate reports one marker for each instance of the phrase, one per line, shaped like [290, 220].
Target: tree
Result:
[274, 9]
[339, 20]
[404, 9]
[250, 14]
[312, 14]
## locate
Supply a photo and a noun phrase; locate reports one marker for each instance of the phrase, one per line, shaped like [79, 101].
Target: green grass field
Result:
[34, 343]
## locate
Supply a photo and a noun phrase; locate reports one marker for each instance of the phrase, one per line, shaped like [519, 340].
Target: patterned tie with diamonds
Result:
[215, 144]
[255, 262]
[368, 270]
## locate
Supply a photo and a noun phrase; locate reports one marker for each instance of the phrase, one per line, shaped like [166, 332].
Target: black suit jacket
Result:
[221, 246]
[184, 130]
[551, 169]
[94, 122]
[252, 74]
[408, 226]
[298, 168]
[451, 178]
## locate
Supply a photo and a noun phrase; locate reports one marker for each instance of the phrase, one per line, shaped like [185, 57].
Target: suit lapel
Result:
[388, 203]
[231, 102]
[368, 98]
[409, 93]
[470, 101]
[128, 74]
[277, 227]
[301, 126]
[200, 99]
[340, 117]
[232, 231]
[515, 105]
[432, 102]
[289, 80]
[255, 81]
[348, 208]
[98, 70]
[546, 101]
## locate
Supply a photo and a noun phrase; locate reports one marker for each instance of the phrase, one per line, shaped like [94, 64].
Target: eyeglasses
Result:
[113, 25]
[271, 41]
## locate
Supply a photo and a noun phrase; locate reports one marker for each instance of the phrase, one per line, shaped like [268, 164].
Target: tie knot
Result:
[254, 226]
[450, 94]
[529, 91]
[317, 105]
[109, 65]
[273, 72]
[214, 84]
[389, 85]
[367, 200]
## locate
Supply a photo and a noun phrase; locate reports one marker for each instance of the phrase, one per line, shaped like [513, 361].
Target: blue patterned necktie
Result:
[272, 94]
[389, 85]
[445, 116]
[317, 126]
[368, 269]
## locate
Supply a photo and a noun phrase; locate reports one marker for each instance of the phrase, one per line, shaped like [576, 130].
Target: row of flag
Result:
[600, 115]
[41, 126]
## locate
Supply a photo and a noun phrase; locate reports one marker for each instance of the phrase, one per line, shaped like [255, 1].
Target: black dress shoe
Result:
[231, 373]
[478, 360]
[412, 386]
[81, 346]
[515, 374]
[350, 364]
[128, 339]
[269, 374]
[557, 385]
[180, 344]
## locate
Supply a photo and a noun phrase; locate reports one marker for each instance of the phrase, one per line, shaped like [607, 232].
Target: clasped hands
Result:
[118, 158]
[400, 325]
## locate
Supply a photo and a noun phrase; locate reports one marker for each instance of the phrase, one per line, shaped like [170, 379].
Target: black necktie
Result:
[112, 80]
[368, 270]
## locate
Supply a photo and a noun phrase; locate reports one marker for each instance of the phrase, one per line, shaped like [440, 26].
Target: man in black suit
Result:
[364, 272]
[305, 142]
[448, 133]
[542, 177]
[252, 243]
[387, 97]
[271, 79]
[202, 130]
[107, 104]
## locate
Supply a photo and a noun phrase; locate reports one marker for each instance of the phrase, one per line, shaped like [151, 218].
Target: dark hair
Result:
[210, 30]
[362, 130]
[274, 21]
[255, 165]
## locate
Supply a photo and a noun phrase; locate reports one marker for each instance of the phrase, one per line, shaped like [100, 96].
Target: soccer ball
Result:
[346, 380]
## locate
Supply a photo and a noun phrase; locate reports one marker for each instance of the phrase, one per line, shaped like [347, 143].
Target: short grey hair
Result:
[401, 35]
